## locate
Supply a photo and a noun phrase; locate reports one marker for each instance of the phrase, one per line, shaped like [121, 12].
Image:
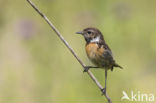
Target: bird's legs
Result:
[104, 89]
[86, 68]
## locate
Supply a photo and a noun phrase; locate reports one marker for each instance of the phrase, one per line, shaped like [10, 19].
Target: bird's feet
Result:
[86, 68]
[103, 91]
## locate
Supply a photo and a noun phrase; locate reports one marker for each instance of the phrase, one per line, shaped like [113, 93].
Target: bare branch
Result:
[71, 50]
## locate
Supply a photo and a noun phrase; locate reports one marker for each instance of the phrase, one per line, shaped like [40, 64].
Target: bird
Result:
[98, 51]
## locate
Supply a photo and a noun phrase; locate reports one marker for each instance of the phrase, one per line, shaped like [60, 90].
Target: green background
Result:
[36, 67]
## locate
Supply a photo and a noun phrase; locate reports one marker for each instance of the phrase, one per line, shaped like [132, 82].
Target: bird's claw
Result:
[86, 69]
[103, 91]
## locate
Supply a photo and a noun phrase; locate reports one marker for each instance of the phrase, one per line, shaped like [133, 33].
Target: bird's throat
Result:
[93, 40]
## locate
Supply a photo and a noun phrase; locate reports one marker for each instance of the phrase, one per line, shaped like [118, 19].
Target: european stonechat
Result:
[98, 51]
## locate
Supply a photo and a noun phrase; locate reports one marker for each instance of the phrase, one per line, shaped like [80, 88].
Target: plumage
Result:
[97, 50]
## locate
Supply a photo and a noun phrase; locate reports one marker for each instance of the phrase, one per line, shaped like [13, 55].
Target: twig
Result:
[71, 50]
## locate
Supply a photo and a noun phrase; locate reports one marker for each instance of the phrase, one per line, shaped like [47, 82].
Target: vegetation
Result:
[35, 67]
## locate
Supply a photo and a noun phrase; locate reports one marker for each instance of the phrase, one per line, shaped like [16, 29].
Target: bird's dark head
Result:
[91, 35]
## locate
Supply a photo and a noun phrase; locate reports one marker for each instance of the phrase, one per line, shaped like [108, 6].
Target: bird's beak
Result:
[80, 32]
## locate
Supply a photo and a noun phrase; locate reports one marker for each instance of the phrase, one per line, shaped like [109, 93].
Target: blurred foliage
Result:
[36, 67]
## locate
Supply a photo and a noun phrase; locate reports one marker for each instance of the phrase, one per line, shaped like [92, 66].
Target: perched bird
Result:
[98, 51]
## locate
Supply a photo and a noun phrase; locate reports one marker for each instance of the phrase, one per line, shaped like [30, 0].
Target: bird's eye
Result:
[89, 32]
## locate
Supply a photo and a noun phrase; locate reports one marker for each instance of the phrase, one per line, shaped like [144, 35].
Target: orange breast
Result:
[94, 52]
[98, 55]
[91, 50]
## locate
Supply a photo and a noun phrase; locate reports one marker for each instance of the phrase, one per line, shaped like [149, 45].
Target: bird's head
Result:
[91, 35]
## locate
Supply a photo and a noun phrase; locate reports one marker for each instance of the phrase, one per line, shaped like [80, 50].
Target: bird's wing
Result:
[107, 48]
[107, 55]
[108, 52]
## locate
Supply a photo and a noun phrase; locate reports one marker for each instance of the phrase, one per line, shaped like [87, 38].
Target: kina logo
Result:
[138, 96]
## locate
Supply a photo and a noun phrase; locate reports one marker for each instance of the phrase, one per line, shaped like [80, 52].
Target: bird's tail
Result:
[117, 65]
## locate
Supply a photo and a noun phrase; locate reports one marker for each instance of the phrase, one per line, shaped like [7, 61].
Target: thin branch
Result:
[71, 50]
